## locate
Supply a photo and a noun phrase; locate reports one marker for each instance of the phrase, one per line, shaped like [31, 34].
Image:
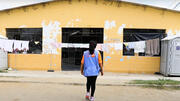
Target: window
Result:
[144, 42]
[33, 35]
[82, 35]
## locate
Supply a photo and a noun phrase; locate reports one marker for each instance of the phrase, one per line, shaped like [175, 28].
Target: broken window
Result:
[33, 35]
[144, 42]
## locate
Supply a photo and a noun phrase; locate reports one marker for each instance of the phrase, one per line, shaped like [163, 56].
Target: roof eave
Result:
[174, 10]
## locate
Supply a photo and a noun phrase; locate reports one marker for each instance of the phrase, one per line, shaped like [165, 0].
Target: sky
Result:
[7, 4]
[170, 4]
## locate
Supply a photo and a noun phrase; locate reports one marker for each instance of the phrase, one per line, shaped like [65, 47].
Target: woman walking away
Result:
[91, 65]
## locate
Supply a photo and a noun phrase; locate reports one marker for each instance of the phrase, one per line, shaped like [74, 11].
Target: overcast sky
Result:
[171, 4]
[6, 4]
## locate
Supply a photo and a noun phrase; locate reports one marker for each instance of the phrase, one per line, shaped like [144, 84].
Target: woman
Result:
[91, 65]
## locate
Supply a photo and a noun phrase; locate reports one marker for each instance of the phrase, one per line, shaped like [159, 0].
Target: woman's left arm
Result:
[100, 64]
[82, 68]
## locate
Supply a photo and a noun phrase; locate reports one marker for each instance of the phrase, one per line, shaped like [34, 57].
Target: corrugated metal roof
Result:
[166, 4]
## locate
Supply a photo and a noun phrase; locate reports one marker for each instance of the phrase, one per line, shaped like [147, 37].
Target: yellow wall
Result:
[34, 62]
[89, 13]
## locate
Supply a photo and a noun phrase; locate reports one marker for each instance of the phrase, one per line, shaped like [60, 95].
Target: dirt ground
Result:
[58, 92]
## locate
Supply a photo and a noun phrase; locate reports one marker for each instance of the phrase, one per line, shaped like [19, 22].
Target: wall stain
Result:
[25, 9]
[96, 1]
[34, 8]
[163, 12]
[145, 7]
[70, 1]
[44, 5]
[119, 4]
[8, 12]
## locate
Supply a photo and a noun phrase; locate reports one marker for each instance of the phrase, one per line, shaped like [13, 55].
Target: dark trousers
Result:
[91, 83]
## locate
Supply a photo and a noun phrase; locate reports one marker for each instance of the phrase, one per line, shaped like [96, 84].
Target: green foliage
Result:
[156, 82]
[160, 83]
[3, 71]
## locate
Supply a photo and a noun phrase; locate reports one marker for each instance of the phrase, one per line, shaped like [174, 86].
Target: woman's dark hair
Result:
[92, 46]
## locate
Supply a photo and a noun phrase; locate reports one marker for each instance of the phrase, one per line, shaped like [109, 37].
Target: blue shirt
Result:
[91, 64]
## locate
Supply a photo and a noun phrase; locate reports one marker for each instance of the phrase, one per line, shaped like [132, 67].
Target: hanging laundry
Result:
[153, 47]
[139, 46]
[70, 45]
[64, 45]
[25, 45]
[2, 44]
[8, 47]
[105, 48]
[76, 45]
[85, 45]
[17, 45]
[131, 45]
[156, 44]
[99, 47]
[148, 47]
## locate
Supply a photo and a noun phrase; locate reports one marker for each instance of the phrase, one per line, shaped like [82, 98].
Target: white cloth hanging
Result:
[2, 44]
[8, 47]
[17, 45]
[131, 45]
[25, 45]
[140, 46]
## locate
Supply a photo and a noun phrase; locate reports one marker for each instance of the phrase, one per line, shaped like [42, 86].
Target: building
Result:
[60, 31]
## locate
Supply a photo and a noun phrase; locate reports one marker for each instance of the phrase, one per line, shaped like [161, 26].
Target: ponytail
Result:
[92, 46]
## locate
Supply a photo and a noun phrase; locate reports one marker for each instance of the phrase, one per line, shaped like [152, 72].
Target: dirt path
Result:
[56, 92]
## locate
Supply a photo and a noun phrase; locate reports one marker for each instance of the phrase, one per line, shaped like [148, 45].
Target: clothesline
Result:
[150, 47]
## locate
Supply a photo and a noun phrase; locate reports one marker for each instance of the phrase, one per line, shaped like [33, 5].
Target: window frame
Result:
[162, 34]
[36, 34]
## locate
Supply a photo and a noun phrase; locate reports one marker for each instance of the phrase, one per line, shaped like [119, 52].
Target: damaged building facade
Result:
[58, 32]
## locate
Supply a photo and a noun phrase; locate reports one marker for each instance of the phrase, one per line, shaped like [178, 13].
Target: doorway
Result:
[75, 42]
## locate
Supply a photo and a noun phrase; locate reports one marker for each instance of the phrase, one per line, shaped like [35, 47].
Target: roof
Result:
[165, 4]
[171, 37]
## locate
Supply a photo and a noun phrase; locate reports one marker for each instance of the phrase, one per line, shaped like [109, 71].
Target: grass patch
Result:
[3, 71]
[162, 87]
[159, 84]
